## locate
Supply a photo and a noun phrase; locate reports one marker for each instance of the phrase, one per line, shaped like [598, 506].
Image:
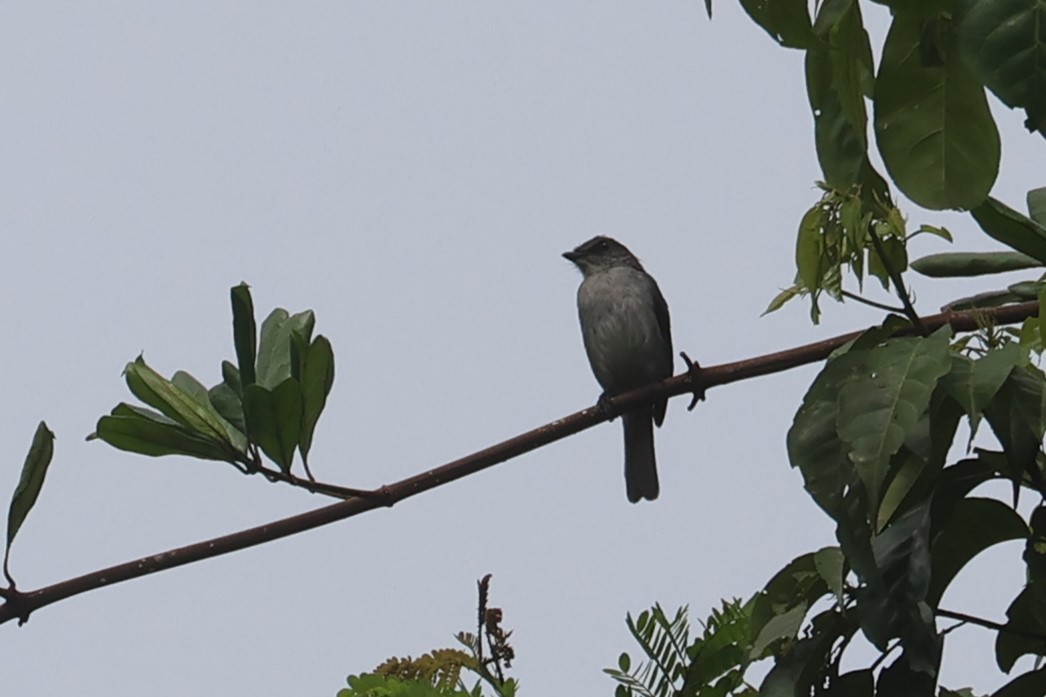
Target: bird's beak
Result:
[571, 255]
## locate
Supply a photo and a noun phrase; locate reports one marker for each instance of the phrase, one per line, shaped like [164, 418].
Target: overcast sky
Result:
[412, 171]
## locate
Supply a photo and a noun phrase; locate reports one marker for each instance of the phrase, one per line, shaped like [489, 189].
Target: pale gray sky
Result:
[412, 171]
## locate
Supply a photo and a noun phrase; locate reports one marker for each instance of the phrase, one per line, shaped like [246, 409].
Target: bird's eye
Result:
[603, 245]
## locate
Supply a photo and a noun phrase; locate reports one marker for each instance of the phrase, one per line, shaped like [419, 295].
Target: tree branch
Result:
[989, 624]
[21, 604]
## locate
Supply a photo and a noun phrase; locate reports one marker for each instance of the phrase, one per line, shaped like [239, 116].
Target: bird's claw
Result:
[605, 407]
[694, 371]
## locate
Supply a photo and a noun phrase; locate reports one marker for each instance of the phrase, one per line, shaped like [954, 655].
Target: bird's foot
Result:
[693, 369]
[605, 407]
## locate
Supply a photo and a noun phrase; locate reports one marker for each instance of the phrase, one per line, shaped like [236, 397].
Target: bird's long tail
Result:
[640, 465]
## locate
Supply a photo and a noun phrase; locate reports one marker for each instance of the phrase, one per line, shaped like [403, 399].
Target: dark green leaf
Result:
[973, 384]
[1026, 290]
[34, 469]
[963, 264]
[908, 468]
[231, 377]
[1035, 560]
[782, 604]
[838, 77]
[899, 679]
[146, 436]
[784, 626]
[1037, 205]
[317, 378]
[274, 419]
[829, 562]
[786, 21]
[894, 603]
[1011, 228]
[1014, 642]
[885, 398]
[932, 123]
[1031, 684]
[814, 446]
[1016, 415]
[796, 670]
[1005, 42]
[244, 332]
[274, 348]
[1041, 319]
[975, 524]
[858, 683]
[227, 403]
[196, 414]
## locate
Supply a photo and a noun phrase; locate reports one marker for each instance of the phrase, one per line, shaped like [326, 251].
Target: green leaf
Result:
[34, 469]
[244, 332]
[1035, 561]
[975, 524]
[274, 419]
[796, 670]
[317, 378]
[1017, 415]
[274, 348]
[885, 399]
[1026, 290]
[964, 264]
[1037, 205]
[1005, 42]
[182, 404]
[933, 230]
[838, 77]
[995, 298]
[1030, 684]
[780, 299]
[857, 683]
[808, 248]
[1011, 228]
[829, 562]
[231, 377]
[138, 433]
[783, 602]
[1014, 642]
[779, 627]
[814, 446]
[900, 679]
[227, 403]
[786, 21]
[907, 472]
[974, 384]
[935, 132]
[894, 600]
[1041, 319]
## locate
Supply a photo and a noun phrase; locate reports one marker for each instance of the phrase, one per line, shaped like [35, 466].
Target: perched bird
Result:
[625, 327]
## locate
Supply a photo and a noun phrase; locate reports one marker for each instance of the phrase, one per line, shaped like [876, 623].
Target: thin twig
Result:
[23, 603]
[898, 282]
[872, 303]
[989, 624]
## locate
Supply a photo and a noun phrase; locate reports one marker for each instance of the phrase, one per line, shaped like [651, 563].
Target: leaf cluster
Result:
[268, 402]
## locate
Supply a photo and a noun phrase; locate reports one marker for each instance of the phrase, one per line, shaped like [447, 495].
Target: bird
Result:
[627, 335]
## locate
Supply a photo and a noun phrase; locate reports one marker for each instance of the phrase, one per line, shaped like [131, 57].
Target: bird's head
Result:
[600, 253]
